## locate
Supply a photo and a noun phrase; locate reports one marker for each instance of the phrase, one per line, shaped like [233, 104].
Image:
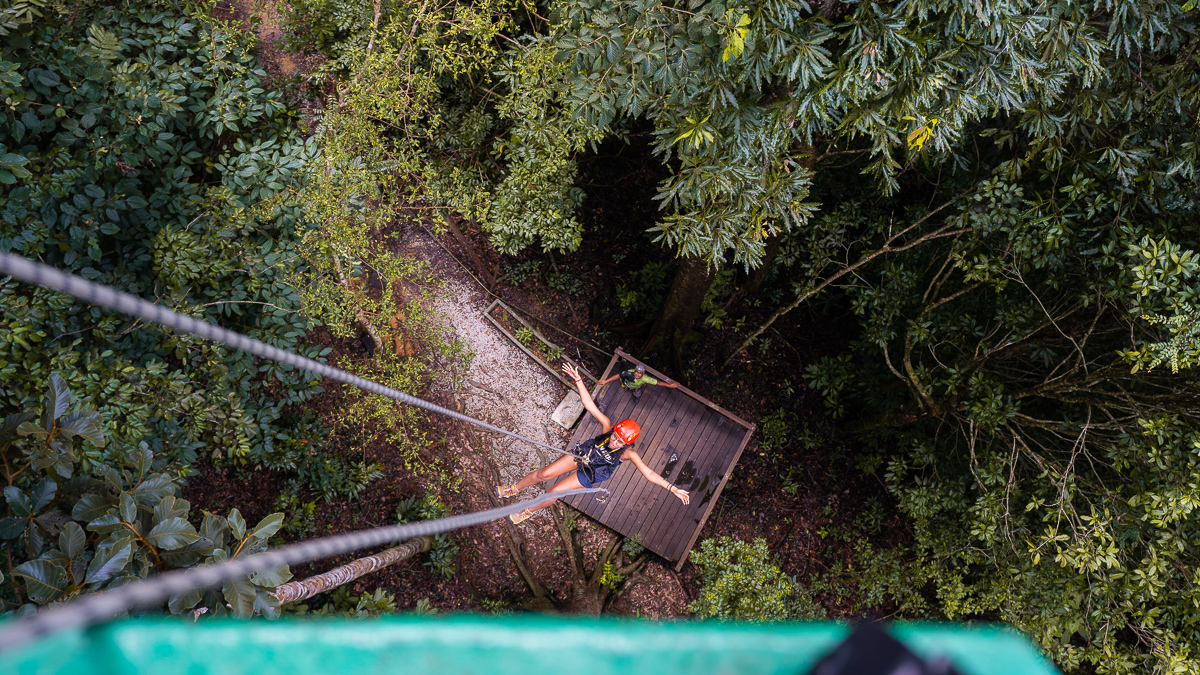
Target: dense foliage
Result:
[131, 505]
[153, 155]
[1048, 469]
[141, 150]
[741, 582]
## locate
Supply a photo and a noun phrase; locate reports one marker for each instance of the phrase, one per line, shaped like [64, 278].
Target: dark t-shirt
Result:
[602, 460]
[597, 452]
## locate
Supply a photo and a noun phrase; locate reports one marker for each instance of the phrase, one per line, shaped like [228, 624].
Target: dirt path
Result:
[502, 385]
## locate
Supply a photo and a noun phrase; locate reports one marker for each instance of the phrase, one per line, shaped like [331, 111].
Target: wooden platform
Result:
[691, 441]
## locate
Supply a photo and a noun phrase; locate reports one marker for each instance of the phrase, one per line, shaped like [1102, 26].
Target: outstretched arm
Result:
[652, 476]
[573, 373]
[672, 385]
[608, 379]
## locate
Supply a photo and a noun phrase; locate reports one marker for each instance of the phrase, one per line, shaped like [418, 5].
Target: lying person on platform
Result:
[596, 461]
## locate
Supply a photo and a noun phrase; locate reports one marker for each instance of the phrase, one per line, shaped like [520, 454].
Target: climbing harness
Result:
[44, 275]
[597, 456]
[583, 460]
[97, 607]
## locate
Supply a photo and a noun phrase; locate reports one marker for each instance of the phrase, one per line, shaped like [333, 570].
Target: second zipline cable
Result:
[82, 289]
[98, 607]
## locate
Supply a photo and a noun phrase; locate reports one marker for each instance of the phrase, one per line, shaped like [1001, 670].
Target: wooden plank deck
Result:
[690, 440]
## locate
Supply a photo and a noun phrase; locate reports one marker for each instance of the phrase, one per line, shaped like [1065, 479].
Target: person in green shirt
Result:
[636, 378]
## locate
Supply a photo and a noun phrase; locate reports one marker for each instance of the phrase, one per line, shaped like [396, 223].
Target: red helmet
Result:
[627, 431]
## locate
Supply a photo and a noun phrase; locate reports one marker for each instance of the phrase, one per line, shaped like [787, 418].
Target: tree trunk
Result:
[294, 591]
[363, 321]
[680, 308]
[467, 245]
[588, 595]
[758, 276]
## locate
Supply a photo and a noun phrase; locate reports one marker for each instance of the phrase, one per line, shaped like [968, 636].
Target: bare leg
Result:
[557, 468]
[569, 483]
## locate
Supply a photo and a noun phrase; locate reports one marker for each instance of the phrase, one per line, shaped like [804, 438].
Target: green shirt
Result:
[629, 380]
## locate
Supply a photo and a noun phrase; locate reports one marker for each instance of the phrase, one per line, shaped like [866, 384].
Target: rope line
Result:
[96, 608]
[104, 296]
[510, 303]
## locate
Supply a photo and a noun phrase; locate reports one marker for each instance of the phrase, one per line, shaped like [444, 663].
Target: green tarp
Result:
[523, 645]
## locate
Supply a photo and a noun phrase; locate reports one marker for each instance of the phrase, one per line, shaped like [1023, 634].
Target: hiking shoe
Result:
[505, 491]
[520, 516]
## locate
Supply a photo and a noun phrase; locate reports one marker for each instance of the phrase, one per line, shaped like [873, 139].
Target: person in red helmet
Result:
[604, 454]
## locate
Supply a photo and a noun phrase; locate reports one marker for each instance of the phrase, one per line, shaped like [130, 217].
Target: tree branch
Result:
[886, 248]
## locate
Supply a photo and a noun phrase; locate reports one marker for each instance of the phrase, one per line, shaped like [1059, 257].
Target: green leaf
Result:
[106, 43]
[272, 578]
[172, 534]
[90, 507]
[58, 396]
[85, 424]
[214, 528]
[153, 489]
[45, 581]
[170, 507]
[106, 523]
[31, 429]
[112, 477]
[189, 555]
[182, 602]
[267, 526]
[18, 501]
[240, 595]
[143, 458]
[11, 528]
[34, 540]
[42, 493]
[9, 426]
[104, 568]
[128, 508]
[72, 540]
[266, 604]
[237, 524]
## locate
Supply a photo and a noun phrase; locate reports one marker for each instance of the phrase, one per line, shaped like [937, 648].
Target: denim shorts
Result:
[603, 473]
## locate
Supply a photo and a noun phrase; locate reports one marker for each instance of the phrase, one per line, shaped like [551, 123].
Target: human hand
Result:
[682, 494]
[571, 372]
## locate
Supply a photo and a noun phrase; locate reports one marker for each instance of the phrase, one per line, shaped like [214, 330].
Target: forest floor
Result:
[804, 497]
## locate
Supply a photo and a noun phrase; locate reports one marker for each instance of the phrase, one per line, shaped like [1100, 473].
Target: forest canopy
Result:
[994, 201]
[1002, 193]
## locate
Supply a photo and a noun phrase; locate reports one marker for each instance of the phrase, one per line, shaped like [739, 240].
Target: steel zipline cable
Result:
[82, 289]
[98, 607]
